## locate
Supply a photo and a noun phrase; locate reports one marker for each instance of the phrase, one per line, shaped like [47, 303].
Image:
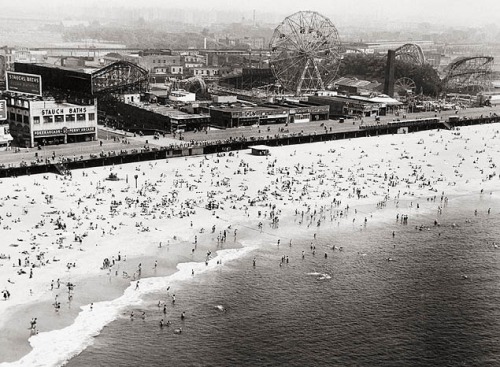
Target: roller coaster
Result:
[120, 76]
[410, 53]
[469, 74]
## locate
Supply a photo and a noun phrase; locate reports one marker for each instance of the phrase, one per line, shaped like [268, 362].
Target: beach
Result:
[78, 250]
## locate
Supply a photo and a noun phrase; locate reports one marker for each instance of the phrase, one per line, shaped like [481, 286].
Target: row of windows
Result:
[48, 119]
[164, 61]
[60, 118]
[173, 70]
[19, 102]
[18, 118]
[207, 72]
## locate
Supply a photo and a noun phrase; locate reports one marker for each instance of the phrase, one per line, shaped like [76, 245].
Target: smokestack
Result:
[205, 43]
[389, 73]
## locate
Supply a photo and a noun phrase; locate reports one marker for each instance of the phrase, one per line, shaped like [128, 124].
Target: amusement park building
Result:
[344, 106]
[45, 119]
[37, 121]
[228, 117]
[354, 86]
[64, 108]
[148, 118]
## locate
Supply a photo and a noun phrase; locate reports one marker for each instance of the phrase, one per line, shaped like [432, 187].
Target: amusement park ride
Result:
[305, 55]
[305, 52]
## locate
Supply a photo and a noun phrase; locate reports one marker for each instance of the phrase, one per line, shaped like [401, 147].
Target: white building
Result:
[182, 96]
[5, 137]
[37, 121]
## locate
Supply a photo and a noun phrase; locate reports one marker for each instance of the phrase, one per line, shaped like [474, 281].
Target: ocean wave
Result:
[320, 276]
[56, 347]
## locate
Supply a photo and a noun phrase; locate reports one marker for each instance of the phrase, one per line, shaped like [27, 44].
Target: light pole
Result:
[136, 176]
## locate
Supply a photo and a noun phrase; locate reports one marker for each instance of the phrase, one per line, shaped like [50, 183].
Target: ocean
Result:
[427, 296]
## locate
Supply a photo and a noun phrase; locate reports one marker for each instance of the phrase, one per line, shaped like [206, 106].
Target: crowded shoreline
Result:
[59, 227]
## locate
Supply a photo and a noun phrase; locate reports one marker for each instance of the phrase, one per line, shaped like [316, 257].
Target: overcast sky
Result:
[457, 12]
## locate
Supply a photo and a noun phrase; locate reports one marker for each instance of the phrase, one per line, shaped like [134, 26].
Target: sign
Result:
[63, 111]
[3, 109]
[64, 130]
[24, 83]
[73, 130]
[47, 132]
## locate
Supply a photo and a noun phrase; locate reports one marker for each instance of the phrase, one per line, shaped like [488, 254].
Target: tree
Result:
[425, 77]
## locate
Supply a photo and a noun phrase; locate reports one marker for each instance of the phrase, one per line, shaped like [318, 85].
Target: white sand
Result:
[169, 206]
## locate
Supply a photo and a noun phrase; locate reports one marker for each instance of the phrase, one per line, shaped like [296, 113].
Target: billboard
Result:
[3, 109]
[24, 83]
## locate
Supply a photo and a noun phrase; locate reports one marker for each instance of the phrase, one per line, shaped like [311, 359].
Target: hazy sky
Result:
[466, 12]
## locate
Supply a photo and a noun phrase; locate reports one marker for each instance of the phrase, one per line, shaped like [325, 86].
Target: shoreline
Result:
[169, 207]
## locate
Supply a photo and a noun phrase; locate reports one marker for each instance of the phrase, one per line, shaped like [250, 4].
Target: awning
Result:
[6, 138]
[386, 99]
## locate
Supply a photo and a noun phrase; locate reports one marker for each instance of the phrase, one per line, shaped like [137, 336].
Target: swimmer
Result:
[183, 315]
[178, 331]
[161, 323]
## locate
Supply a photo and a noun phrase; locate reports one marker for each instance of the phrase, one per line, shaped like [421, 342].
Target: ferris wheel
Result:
[305, 52]
[404, 86]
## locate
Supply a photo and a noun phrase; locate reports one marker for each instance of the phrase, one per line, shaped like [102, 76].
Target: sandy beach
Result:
[77, 250]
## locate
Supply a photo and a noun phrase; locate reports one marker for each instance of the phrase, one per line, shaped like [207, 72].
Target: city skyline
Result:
[444, 12]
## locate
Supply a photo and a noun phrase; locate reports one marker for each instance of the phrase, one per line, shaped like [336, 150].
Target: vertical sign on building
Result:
[3, 109]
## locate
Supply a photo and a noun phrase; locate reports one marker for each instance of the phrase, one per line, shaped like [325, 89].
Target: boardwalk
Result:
[116, 143]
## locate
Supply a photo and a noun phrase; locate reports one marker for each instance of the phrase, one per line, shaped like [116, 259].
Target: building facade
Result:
[37, 121]
[228, 117]
[343, 106]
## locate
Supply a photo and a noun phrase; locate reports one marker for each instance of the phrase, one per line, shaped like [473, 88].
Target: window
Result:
[92, 116]
[59, 118]
[12, 116]
[70, 118]
[26, 119]
[36, 119]
[80, 117]
[19, 118]
[48, 119]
